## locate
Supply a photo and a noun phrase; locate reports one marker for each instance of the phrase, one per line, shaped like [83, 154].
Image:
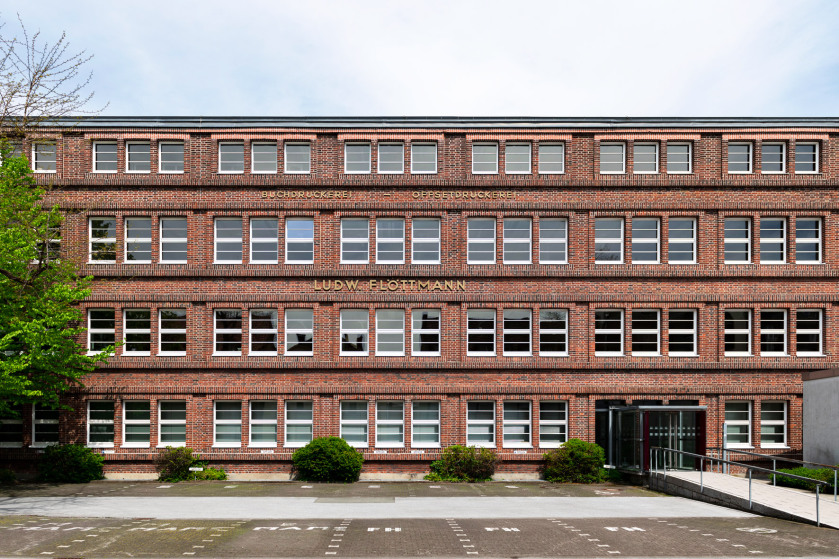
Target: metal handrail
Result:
[775, 459]
[712, 459]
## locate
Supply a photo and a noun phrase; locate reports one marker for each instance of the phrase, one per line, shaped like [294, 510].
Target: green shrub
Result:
[212, 474]
[464, 463]
[821, 474]
[575, 462]
[173, 465]
[328, 459]
[7, 476]
[70, 463]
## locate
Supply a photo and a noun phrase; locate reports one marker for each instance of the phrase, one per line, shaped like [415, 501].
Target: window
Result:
[645, 158]
[738, 424]
[773, 157]
[480, 424]
[263, 332]
[354, 330]
[553, 241]
[738, 332]
[516, 425]
[231, 157]
[391, 158]
[773, 240]
[137, 331]
[299, 419]
[173, 240]
[682, 241]
[551, 159]
[608, 241]
[299, 332]
[390, 425]
[773, 332]
[103, 240]
[356, 158]
[553, 332]
[679, 158]
[172, 332]
[608, 332]
[516, 241]
[426, 332]
[228, 240]
[264, 243]
[228, 332]
[300, 240]
[612, 159]
[646, 332]
[484, 158]
[480, 245]
[808, 240]
[100, 423]
[171, 157]
[738, 240]
[172, 423]
[739, 158]
[480, 332]
[425, 241]
[104, 157]
[11, 427]
[773, 424]
[390, 332]
[517, 159]
[423, 158]
[43, 157]
[136, 424]
[553, 424]
[646, 238]
[682, 332]
[101, 329]
[354, 422]
[808, 332]
[390, 241]
[355, 241]
[227, 427]
[138, 240]
[806, 157]
[44, 426]
[263, 423]
[49, 249]
[264, 157]
[138, 157]
[516, 332]
[298, 158]
[425, 424]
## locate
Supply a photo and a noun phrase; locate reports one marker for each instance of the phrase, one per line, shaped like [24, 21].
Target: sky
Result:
[450, 58]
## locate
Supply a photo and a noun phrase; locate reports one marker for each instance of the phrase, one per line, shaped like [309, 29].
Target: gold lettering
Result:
[422, 284]
[461, 285]
[412, 282]
[392, 285]
[352, 285]
[449, 285]
[372, 284]
[436, 286]
[339, 285]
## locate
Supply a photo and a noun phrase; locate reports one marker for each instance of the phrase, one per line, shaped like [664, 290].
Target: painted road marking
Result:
[758, 530]
[505, 529]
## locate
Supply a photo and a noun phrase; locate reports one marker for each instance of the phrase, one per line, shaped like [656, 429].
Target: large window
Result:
[480, 332]
[773, 424]
[426, 332]
[425, 424]
[739, 158]
[553, 424]
[137, 240]
[808, 240]
[682, 330]
[738, 240]
[390, 241]
[100, 423]
[480, 424]
[480, 243]
[608, 332]
[299, 420]
[773, 332]
[645, 158]
[263, 423]
[646, 332]
[553, 241]
[773, 240]
[228, 240]
[172, 423]
[11, 427]
[298, 158]
[806, 157]
[516, 332]
[43, 157]
[103, 240]
[517, 240]
[682, 241]
[390, 425]
[354, 422]
[391, 158]
[44, 426]
[227, 425]
[517, 158]
[136, 329]
[553, 332]
[612, 159]
[809, 325]
[173, 240]
[263, 332]
[608, 240]
[231, 157]
[299, 332]
[228, 332]
[390, 332]
[425, 241]
[516, 425]
[136, 424]
[300, 240]
[738, 424]
[773, 157]
[264, 242]
[357, 158]
[646, 240]
[101, 329]
[423, 158]
[679, 158]
[172, 332]
[738, 332]
[171, 157]
[354, 332]
[484, 158]
[355, 241]
[551, 159]
[105, 157]
[264, 157]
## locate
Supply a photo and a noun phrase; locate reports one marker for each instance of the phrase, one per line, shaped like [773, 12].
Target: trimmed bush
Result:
[173, 465]
[575, 462]
[464, 463]
[821, 474]
[70, 463]
[328, 459]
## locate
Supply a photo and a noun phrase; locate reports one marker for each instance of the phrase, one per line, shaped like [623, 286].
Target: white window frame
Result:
[470, 332]
[748, 240]
[783, 158]
[507, 167]
[36, 422]
[161, 422]
[288, 238]
[111, 422]
[692, 241]
[784, 331]
[425, 422]
[515, 331]
[276, 239]
[349, 422]
[656, 155]
[427, 240]
[414, 171]
[553, 331]
[234, 171]
[126, 331]
[380, 331]
[254, 151]
[160, 158]
[365, 331]
[352, 240]
[563, 423]
[286, 159]
[104, 240]
[366, 171]
[820, 332]
[734, 331]
[817, 155]
[289, 422]
[516, 241]
[95, 153]
[622, 170]
[494, 145]
[126, 422]
[480, 241]
[769, 240]
[751, 154]
[37, 162]
[639, 241]
[560, 151]
[161, 331]
[217, 331]
[507, 424]
[401, 169]
[217, 422]
[417, 330]
[91, 330]
[289, 331]
[694, 332]
[216, 240]
[14, 421]
[656, 331]
[619, 239]
[610, 331]
[253, 330]
[380, 423]
[380, 239]
[784, 422]
[561, 241]
[252, 422]
[747, 422]
[799, 241]
[129, 240]
[479, 422]
[689, 154]
[164, 239]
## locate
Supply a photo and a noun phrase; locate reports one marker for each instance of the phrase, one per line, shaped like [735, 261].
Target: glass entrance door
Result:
[676, 430]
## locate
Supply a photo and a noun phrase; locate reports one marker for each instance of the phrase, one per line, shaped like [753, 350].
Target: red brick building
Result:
[412, 283]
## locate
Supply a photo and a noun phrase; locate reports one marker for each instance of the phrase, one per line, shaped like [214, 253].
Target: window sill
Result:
[775, 446]
[811, 355]
[100, 445]
[418, 354]
[356, 354]
[136, 354]
[298, 354]
[227, 354]
[95, 172]
[174, 262]
[264, 262]
[301, 262]
[135, 445]
[171, 172]
[171, 354]
[37, 172]
[226, 446]
[162, 446]
[262, 354]
[263, 445]
[138, 172]
[549, 354]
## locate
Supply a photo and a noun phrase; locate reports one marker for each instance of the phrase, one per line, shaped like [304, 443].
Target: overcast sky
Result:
[454, 57]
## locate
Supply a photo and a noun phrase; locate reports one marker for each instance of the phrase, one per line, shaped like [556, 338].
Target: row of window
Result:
[773, 424]
[517, 240]
[517, 334]
[518, 157]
